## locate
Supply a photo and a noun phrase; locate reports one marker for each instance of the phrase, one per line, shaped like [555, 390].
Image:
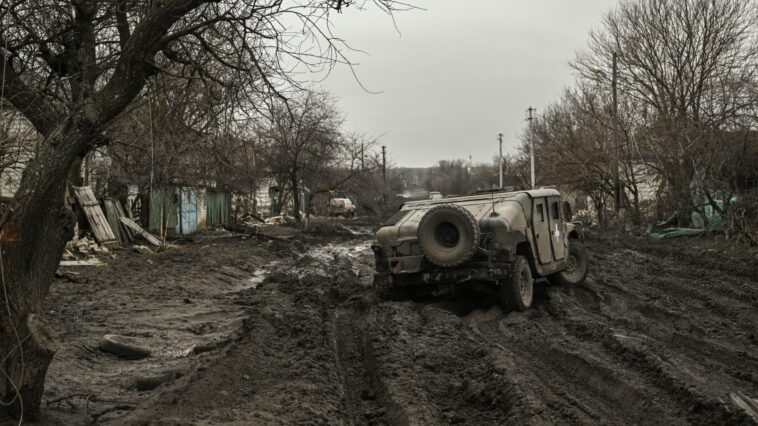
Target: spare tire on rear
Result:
[448, 235]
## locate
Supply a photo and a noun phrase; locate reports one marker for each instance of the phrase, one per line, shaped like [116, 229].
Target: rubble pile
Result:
[84, 247]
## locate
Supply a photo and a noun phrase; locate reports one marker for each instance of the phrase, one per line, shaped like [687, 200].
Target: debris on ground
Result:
[86, 246]
[88, 262]
[141, 232]
[331, 226]
[281, 220]
[264, 230]
[123, 347]
[674, 232]
[250, 218]
[85, 251]
[142, 249]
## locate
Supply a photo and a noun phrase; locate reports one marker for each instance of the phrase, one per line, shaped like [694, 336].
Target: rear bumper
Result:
[481, 272]
[394, 264]
[405, 264]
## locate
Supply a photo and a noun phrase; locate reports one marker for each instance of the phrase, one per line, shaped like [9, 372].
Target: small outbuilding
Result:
[188, 209]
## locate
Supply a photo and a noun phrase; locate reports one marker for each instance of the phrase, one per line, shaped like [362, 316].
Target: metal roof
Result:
[532, 193]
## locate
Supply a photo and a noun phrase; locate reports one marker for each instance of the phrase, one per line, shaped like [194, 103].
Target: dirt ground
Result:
[292, 332]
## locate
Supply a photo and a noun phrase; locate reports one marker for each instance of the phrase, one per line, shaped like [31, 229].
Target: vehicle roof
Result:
[531, 193]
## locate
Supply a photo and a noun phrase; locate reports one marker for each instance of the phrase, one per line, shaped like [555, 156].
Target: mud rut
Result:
[649, 339]
[657, 335]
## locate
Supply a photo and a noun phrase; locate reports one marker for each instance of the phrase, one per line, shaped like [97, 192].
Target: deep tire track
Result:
[649, 339]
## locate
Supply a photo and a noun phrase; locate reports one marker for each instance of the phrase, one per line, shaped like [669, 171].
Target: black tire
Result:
[516, 292]
[448, 235]
[577, 265]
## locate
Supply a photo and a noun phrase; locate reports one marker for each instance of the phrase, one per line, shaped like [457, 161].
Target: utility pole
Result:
[152, 138]
[531, 112]
[384, 164]
[500, 138]
[615, 165]
[363, 163]
[384, 178]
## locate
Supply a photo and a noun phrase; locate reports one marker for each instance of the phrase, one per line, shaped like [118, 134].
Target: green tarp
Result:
[674, 232]
[715, 222]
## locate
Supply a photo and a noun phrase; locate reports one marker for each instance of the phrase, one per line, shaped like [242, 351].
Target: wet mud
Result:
[661, 333]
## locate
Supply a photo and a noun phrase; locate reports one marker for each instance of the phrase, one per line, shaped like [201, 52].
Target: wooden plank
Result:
[126, 229]
[113, 212]
[99, 224]
[95, 217]
[138, 229]
[89, 262]
[112, 215]
[85, 196]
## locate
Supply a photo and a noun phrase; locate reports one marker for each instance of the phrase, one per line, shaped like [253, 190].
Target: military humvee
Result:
[497, 242]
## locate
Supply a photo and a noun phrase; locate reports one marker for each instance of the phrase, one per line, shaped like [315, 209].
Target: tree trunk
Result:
[295, 197]
[637, 212]
[599, 208]
[681, 196]
[35, 230]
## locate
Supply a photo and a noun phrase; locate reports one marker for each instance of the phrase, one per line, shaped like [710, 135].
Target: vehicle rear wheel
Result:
[577, 265]
[448, 235]
[517, 290]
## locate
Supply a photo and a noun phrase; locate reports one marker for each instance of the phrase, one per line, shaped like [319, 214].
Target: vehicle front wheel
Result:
[517, 290]
[577, 265]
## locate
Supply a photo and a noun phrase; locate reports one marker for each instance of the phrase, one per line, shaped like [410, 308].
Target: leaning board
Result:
[95, 217]
[113, 212]
[138, 229]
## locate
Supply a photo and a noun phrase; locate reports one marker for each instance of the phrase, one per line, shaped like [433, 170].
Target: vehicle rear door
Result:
[541, 229]
[557, 228]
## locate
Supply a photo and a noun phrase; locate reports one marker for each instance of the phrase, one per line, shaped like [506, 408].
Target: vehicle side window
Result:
[554, 210]
[540, 213]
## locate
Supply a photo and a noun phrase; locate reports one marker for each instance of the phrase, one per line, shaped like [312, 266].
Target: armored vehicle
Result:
[498, 242]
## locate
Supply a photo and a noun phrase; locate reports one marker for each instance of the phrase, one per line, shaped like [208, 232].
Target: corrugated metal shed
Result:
[188, 209]
[219, 207]
[163, 208]
[202, 209]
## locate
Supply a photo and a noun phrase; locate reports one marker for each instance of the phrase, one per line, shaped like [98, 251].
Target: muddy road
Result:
[294, 333]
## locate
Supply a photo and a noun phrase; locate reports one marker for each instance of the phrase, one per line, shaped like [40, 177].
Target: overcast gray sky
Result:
[459, 73]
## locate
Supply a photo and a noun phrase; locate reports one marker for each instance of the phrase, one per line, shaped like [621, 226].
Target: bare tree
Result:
[71, 68]
[354, 172]
[690, 67]
[301, 140]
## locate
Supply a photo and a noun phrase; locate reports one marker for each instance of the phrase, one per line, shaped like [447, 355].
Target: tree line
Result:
[685, 118]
